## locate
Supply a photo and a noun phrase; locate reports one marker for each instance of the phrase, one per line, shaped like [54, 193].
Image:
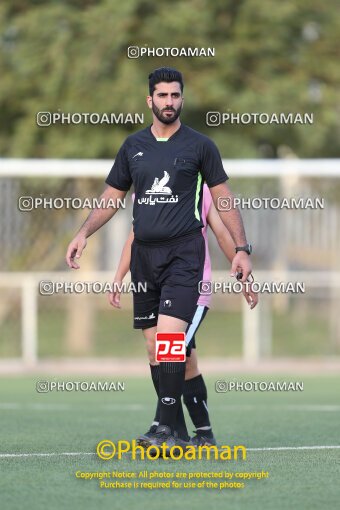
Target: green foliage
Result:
[72, 56]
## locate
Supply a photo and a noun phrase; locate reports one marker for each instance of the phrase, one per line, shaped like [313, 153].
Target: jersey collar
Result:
[169, 139]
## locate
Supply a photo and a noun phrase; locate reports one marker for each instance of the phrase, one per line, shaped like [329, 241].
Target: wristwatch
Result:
[247, 248]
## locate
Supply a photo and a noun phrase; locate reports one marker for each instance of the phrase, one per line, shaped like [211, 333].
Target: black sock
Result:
[155, 370]
[195, 398]
[181, 427]
[171, 382]
[180, 421]
[158, 413]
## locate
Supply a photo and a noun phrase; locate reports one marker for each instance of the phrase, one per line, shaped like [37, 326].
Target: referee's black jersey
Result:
[168, 179]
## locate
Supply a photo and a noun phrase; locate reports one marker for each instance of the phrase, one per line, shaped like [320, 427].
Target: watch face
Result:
[250, 248]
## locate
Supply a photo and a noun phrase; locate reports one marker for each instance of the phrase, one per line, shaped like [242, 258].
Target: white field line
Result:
[15, 406]
[12, 406]
[61, 454]
[79, 454]
[288, 448]
[290, 407]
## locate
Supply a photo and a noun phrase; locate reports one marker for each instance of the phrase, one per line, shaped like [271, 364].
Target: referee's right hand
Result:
[74, 250]
[114, 295]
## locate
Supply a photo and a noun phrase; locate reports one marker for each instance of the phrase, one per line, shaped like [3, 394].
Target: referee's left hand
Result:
[241, 264]
[252, 297]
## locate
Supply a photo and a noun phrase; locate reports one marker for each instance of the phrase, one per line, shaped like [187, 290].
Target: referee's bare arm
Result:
[96, 219]
[233, 221]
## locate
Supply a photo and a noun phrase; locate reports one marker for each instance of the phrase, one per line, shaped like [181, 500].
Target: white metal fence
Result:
[292, 238]
[257, 335]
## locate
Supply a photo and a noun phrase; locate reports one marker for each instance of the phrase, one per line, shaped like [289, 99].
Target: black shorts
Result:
[171, 271]
[190, 340]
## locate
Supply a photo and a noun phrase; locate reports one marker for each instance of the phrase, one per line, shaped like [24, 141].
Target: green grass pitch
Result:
[60, 422]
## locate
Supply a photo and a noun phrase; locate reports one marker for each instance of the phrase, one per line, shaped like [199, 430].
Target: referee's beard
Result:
[162, 117]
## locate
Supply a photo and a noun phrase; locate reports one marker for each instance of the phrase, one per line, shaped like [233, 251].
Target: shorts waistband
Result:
[173, 240]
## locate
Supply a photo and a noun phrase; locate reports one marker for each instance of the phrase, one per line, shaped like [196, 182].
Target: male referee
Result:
[167, 163]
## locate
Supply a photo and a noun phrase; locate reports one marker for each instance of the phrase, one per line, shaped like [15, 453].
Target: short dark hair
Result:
[167, 74]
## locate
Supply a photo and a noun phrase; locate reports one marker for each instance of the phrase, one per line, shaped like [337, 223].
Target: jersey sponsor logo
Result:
[151, 316]
[158, 187]
[170, 347]
[159, 193]
[168, 401]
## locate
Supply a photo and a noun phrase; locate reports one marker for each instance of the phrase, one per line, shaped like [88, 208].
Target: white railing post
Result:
[29, 331]
[256, 331]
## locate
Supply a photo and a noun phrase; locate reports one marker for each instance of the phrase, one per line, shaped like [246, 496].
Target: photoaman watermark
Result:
[107, 450]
